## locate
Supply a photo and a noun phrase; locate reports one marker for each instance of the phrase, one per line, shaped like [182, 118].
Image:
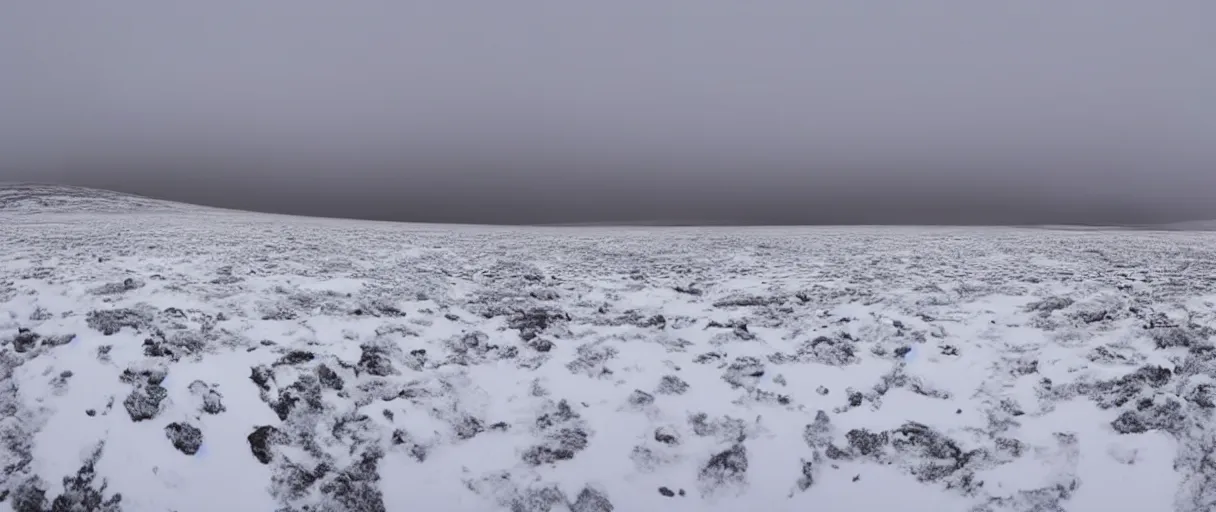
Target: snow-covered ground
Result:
[186, 359]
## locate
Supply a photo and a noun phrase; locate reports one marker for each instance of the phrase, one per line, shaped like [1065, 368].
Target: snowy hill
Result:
[36, 198]
[199, 361]
[1197, 225]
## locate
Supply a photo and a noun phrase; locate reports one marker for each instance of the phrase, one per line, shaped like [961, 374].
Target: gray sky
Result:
[783, 111]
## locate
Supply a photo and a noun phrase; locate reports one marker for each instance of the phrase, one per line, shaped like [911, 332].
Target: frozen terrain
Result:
[161, 357]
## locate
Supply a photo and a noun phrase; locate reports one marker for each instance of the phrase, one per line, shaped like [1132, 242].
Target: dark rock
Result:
[832, 351]
[667, 436]
[1010, 407]
[29, 497]
[1203, 395]
[1013, 447]
[126, 285]
[386, 310]
[725, 427]
[1166, 414]
[949, 350]
[261, 375]
[1170, 337]
[940, 455]
[468, 427]
[305, 390]
[262, 440]
[659, 321]
[213, 402]
[866, 442]
[532, 322]
[109, 322]
[25, 340]
[1117, 392]
[562, 414]
[689, 290]
[744, 372]
[808, 475]
[295, 357]
[329, 378]
[544, 294]
[1155, 376]
[746, 301]
[153, 348]
[666, 492]
[563, 445]
[1026, 367]
[295, 481]
[823, 391]
[915, 436]
[1090, 317]
[1129, 423]
[817, 433]
[144, 403]
[591, 500]
[185, 437]
[357, 487]
[640, 398]
[726, 467]
[375, 361]
[543, 499]
[541, 454]
[540, 344]
[91, 412]
[835, 453]
[902, 351]
[855, 398]
[1048, 305]
[80, 493]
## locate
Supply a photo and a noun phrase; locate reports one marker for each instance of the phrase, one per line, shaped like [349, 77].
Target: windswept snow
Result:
[199, 360]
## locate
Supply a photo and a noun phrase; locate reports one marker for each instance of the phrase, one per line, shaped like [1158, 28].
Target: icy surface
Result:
[184, 359]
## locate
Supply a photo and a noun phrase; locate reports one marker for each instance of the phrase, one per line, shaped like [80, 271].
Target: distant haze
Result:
[546, 111]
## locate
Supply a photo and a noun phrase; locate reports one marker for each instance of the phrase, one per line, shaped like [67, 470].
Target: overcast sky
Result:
[778, 111]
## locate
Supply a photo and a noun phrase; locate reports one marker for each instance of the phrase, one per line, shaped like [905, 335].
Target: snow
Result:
[404, 367]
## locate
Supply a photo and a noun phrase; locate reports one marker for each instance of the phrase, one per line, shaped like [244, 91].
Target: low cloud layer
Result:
[551, 112]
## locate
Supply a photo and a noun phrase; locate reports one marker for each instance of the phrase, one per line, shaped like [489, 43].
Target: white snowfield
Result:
[170, 358]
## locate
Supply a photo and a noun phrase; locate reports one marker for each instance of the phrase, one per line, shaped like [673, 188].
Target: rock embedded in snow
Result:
[185, 437]
[144, 403]
[262, 441]
[566, 374]
[671, 385]
[726, 468]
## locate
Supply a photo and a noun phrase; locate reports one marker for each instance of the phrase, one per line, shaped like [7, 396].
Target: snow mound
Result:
[192, 362]
[45, 199]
